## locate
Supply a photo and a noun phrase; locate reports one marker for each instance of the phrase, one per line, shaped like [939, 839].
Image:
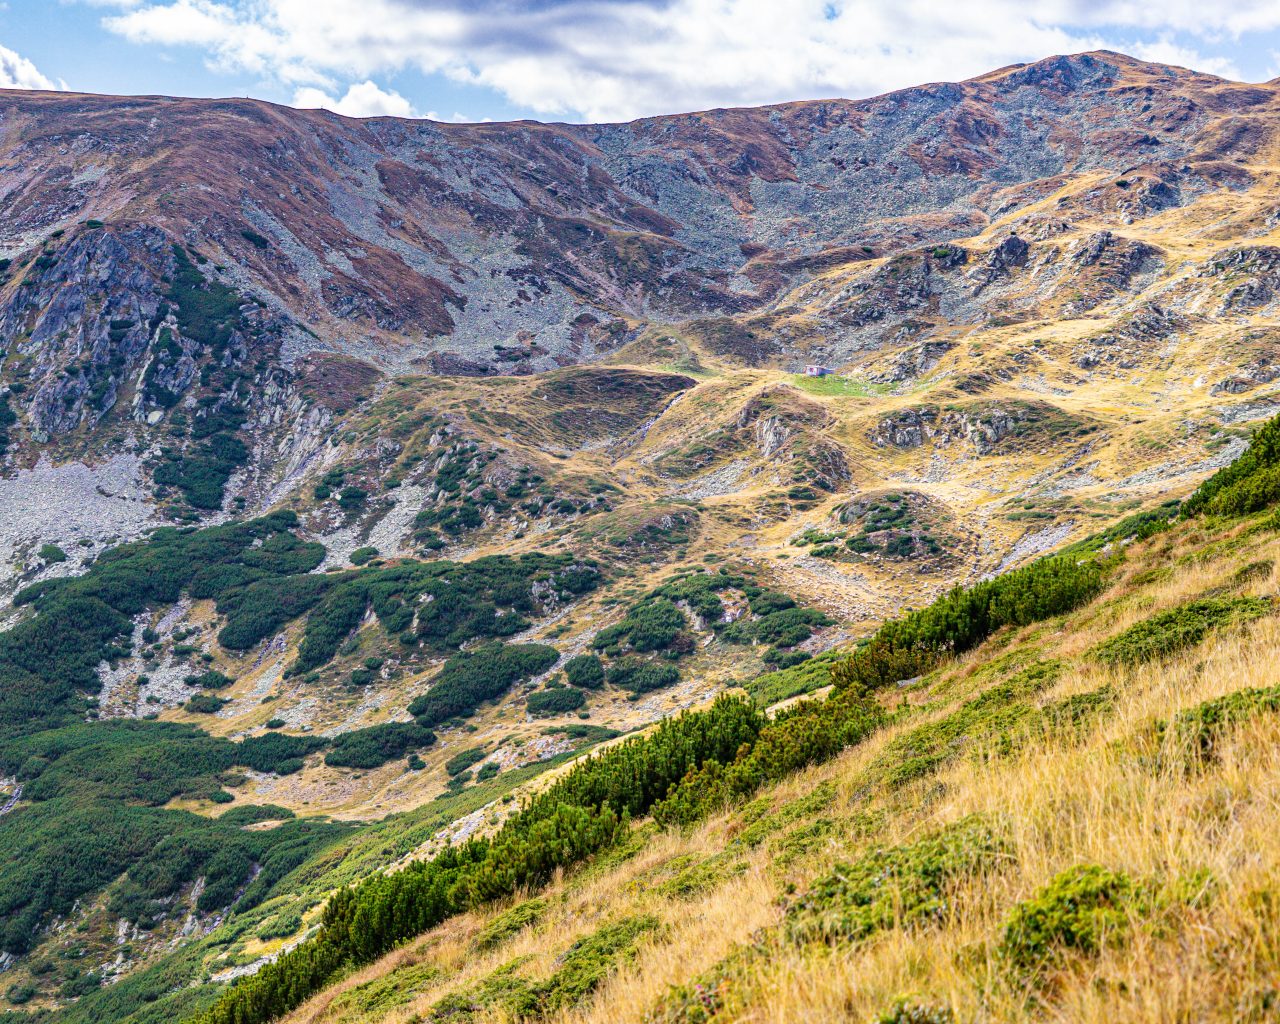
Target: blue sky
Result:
[592, 59]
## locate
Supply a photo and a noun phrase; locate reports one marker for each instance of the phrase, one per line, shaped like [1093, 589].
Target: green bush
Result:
[585, 670]
[656, 623]
[468, 680]
[374, 746]
[588, 962]
[899, 886]
[806, 733]
[558, 701]
[362, 555]
[993, 722]
[50, 553]
[211, 680]
[1196, 732]
[7, 419]
[280, 927]
[97, 793]
[460, 762]
[277, 752]
[577, 815]
[352, 499]
[964, 617]
[205, 704]
[510, 922]
[905, 1012]
[640, 676]
[19, 994]
[1175, 630]
[1249, 484]
[1081, 910]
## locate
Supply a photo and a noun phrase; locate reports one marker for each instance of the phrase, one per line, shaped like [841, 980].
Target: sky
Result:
[593, 60]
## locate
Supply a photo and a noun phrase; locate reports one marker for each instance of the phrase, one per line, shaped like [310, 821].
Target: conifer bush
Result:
[1249, 484]
[896, 886]
[963, 618]
[1177, 629]
[1080, 910]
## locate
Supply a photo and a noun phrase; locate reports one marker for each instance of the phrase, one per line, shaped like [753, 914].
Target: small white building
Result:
[814, 370]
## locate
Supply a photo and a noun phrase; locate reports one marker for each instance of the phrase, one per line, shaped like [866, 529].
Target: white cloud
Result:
[616, 59]
[365, 99]
[16, 72]
[1163, 51]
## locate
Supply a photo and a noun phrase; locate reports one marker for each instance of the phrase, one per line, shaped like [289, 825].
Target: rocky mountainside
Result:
[479, 248]
[488, 443]
[196, 294]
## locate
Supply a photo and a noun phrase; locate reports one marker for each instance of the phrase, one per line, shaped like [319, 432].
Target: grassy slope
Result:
[1061, 798]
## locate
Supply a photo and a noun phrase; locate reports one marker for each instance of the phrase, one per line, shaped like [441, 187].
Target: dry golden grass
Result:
[1063, 802]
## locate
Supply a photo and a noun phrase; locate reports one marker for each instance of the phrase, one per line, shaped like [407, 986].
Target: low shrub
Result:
[640, 675]
[558, 701]
[964, 617]
[468, 680]
[510, 922]
[211, 680]
[50, 553]
[374, 746]
[459, 763]
[1195, 733]
[905, 1012]
[1081, 910]
[585, 670]
[1249, 484]
[1177, 629]
[904, 886]
[280, 927]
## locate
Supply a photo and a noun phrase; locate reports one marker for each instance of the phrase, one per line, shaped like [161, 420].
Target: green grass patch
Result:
[835, 386]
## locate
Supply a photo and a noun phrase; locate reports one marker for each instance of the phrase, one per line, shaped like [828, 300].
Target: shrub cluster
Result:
[7, 419]
[1195, 733]
[580, 813]
[1177, 629]
[208, 314]
[96, 793]
[460, 762]
[656, 625]
[374, 746]
[556, 700]
[1081, 910]
[469, 679]
[1249, 484]
[807, 733]
[585, 670]
[964, 617]
[77, 622]
[898, 886]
